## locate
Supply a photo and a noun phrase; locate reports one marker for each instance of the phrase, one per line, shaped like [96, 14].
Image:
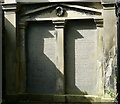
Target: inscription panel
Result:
[40, 52]
[81, 57]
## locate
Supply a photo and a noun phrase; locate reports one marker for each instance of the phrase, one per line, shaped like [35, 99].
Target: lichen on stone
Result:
[111, 75]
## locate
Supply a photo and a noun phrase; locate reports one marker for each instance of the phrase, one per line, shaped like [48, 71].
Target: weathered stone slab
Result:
[81, 57]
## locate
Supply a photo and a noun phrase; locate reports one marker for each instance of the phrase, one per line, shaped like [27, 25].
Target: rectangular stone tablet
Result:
[40, 52]
[81, 57]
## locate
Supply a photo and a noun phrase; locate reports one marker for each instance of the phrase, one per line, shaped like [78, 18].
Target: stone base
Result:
[60, 99]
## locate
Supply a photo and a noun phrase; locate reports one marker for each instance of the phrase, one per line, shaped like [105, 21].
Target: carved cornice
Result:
[108, 1]
[39, 9]
[108, 6]
[83, 8]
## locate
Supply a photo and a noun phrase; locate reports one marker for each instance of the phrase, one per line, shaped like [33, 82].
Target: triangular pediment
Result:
[60, 10]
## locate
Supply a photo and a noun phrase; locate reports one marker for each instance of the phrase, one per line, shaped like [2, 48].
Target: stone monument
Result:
[60, 51]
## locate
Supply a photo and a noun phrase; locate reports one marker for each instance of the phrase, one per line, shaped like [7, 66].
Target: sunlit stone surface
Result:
[81, 57]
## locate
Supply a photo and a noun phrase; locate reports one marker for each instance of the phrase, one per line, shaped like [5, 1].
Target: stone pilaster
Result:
[99, 27]
[59, 27]
[9, 10]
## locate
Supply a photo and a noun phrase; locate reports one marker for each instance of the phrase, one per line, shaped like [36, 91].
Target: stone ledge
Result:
[36, 99]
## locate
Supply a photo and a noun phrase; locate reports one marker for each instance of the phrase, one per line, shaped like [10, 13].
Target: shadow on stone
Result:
[42, 74]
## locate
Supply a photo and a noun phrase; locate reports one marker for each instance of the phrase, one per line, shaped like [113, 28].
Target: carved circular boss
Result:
[59, 11]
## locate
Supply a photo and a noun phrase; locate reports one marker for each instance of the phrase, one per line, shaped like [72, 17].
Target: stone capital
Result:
[98, 22]
[59, 23]
[9, 7]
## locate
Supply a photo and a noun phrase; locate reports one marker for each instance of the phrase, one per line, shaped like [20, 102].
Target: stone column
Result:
[59, 27]
[22, 58]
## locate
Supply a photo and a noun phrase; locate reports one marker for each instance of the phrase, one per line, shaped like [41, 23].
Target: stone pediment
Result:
[62, 10]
